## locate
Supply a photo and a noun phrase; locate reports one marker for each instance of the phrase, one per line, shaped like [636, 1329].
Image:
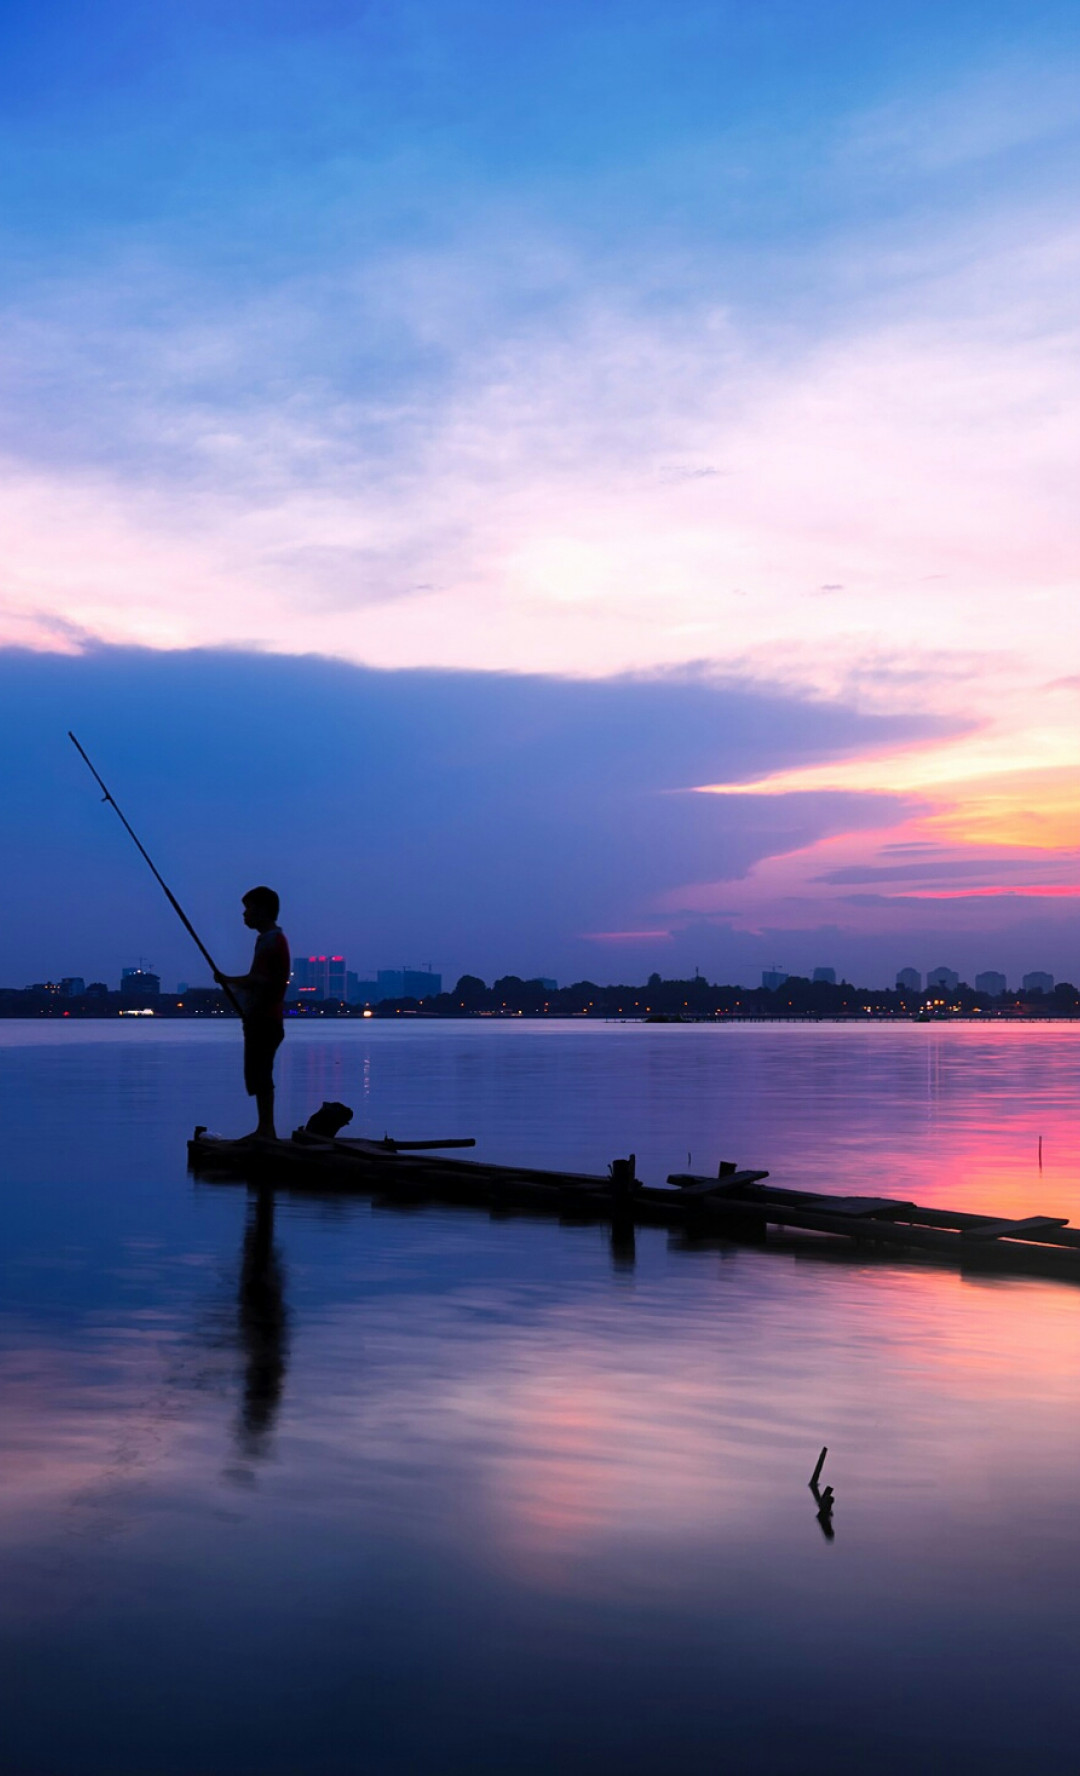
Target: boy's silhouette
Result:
[262, 1001]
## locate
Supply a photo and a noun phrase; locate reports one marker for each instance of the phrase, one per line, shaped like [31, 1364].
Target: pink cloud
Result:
[624, 936]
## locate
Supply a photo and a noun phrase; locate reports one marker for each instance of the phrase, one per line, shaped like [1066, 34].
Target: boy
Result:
[262, 1002]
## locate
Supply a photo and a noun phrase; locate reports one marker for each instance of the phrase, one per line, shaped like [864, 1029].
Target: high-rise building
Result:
[305, 980]
[771, 978]
[139, 983]
[72, 986]
[943, 977]
[1038, 982]
[991, 982]
[826, 976]
[318, 977]
[909, 980]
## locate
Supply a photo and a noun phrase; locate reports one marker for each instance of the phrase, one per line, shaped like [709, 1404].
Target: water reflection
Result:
[623, 1244]
[262, 1326]
[522, 1505]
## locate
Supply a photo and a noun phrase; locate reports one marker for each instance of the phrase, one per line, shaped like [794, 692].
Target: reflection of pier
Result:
[736, 1205]
[262, 1322]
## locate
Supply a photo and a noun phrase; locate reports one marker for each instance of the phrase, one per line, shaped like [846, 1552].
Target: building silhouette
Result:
[909, 980]
[1038, 982]
[943, 977]
[827, 976]
[771, 978]
[317, 978]
[991, 982]
[139, 983]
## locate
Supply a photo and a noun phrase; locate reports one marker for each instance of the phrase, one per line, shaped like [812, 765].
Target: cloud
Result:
[482, 820]
[948, 871]
[494, 449]
[626, 937]
[984, 869]
[965, 118]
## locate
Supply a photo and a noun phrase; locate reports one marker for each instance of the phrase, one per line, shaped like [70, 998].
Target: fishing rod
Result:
[169, 895]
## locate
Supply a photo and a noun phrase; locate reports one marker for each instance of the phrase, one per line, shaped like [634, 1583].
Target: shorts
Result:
[262, 1039]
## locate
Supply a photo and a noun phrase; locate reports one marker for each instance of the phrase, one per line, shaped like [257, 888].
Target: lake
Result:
[368, 1490]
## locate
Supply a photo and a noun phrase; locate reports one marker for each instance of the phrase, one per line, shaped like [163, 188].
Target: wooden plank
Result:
[1000, 1229]
[388, 1145]
[862, 1207]
[1011, 1254]
[732, 1185]
[416, 1165]
[858, 1207]
[1057, 1233]
[375, 1156]
[876, 1208]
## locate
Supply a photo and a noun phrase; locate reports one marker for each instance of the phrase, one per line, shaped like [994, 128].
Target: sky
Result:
[572, 489]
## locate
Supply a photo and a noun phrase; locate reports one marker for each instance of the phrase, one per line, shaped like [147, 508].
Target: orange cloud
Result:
[992, 826]
[1034, 809]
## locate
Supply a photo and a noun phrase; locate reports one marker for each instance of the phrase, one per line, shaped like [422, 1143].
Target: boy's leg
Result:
[264, 1097]
[264, 1103]
[261, 1044]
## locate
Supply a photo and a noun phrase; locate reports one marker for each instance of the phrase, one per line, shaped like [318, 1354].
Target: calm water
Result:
[373, 1491]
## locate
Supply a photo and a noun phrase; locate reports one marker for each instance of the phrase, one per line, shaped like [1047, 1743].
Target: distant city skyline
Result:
[326, 976]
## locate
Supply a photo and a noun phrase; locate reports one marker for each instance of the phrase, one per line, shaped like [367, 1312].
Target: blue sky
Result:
[730, 342]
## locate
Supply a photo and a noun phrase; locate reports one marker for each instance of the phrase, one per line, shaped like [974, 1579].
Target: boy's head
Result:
[261, 907]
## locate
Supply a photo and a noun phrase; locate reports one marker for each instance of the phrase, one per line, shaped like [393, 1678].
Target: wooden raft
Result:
[736, 1204]
[885, 1220]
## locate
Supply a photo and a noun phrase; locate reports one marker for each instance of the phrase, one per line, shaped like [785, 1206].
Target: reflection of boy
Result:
[262, 1001]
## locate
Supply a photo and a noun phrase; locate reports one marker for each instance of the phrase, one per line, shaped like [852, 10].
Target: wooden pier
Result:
[736, 1204]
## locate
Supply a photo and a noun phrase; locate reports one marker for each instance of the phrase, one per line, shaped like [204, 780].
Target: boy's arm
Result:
[268, 974]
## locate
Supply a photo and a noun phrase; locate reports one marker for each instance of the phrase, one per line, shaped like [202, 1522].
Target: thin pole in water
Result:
[169, 895]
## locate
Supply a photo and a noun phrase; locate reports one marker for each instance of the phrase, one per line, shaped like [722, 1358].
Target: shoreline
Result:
[164, 1014]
